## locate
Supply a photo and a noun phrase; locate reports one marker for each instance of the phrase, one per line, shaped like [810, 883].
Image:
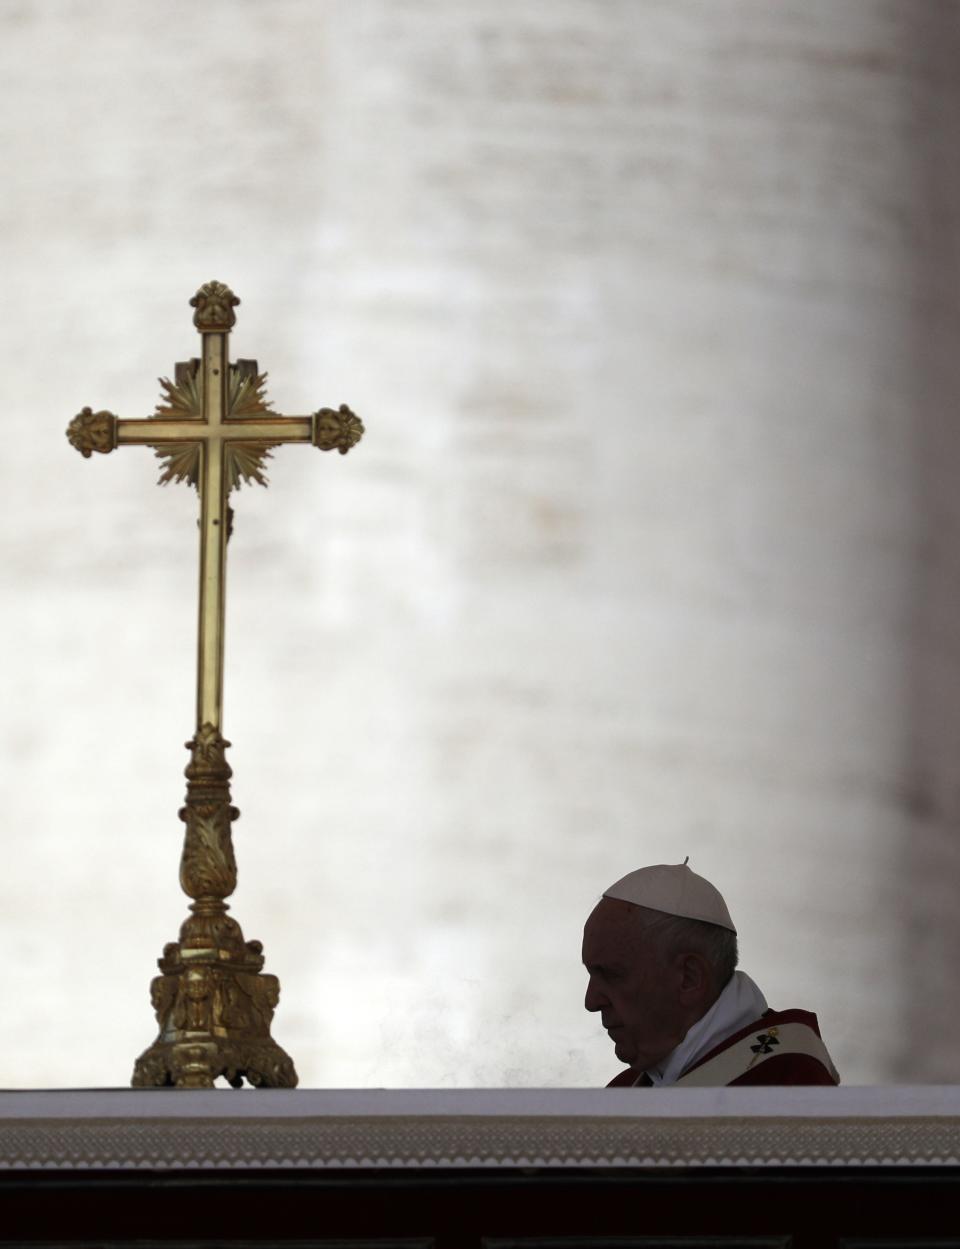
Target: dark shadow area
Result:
[493, 1208]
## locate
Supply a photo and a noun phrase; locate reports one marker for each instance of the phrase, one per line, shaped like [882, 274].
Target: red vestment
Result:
[767, 1066]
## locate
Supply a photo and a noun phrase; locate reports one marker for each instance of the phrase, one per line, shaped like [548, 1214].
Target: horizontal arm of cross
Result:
[328, 429]
[270, 430]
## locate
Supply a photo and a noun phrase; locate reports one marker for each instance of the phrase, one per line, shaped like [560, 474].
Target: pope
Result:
[660, 949]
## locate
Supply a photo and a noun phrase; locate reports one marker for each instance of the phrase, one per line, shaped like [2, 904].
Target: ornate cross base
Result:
[214, 1008]
[213, 1003]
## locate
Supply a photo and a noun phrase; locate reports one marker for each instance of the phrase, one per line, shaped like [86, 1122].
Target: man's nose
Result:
[593, 1000]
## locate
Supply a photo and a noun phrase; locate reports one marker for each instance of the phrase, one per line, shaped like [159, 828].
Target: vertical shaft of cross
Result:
[213, 532]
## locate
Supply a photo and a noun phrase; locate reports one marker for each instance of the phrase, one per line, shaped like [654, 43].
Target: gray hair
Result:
[675, 934]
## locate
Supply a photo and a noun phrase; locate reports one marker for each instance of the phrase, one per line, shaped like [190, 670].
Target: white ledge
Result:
[815, 1102]
[169, 1129]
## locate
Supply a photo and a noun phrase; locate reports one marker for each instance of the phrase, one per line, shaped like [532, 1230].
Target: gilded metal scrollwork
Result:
[337, 431]
[213, 1003]
[91, 431]
[214, 303]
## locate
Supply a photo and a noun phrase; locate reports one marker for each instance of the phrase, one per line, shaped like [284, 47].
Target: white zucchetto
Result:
[674, 890]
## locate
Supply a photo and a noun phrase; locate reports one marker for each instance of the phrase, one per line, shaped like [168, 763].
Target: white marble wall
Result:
[651, 549]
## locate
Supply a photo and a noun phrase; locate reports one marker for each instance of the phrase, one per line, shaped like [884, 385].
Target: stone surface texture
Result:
[123, 1130]
[652, 548]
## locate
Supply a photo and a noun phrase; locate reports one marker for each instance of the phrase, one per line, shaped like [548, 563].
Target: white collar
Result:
[740, 1003]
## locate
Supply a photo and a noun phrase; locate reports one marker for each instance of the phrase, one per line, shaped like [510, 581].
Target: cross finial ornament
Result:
[213, 429]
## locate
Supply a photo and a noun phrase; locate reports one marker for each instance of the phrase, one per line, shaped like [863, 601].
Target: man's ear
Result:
[694, 974]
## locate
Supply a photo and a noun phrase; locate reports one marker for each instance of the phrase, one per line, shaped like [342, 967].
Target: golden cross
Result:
[214, 430]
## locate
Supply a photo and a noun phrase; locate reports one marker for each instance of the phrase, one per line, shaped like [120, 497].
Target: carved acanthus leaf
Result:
[208, 866]
[208, 751]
